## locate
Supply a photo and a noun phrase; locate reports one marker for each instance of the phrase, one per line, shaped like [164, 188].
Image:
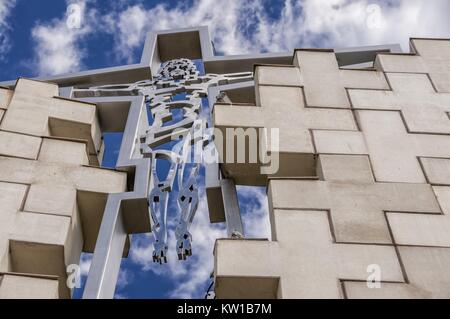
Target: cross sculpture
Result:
[174, 77]
[123, 107]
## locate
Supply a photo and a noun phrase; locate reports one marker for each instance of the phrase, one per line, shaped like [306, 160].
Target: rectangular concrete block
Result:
[400, 63]
[40, 228]
[339, 142]
[51, 199]
[64, 152]
[423, 109]
[432, 49]
[310, 272]
[370, 79]
[48, 235]
[393, 151]
[356, 205]
[277, 75]
[419, 261]
[5, 98]
[281, 110]
[343, 168]
[37, 104]
[321, 79]
[387, 290]
[19, 145]
[325, 83]
[421, 229]
[430, 56]
[26, 287]
[101, 180]
[11, 199]
[16, 170]
[51, 203]
[353, 261]
[426, 268]
[36, 87]
[437, 170]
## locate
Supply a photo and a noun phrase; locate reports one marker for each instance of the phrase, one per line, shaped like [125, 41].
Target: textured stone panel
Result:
[359, 290]
[405, 63]
[22, 287]
[36, 172]
[325, 84]
[35, 104]
[283, 108]
[357, 203]
[437, 170]
[308, 264]
[33, 231]
[393, 152]
[46, 234]
[383, 182]
[11, 199]
[5, 97]
[51, 203]
[36, 88]
[424, 110]
[433, 57]
[345, 169]
[277, 75]
[64, 152]
[19, 145]
[427, 272]
[339, 142]
[424, 230]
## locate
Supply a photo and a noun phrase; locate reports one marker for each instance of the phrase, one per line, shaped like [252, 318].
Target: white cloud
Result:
[225, 19]
[59, 47]
[5, 9]
[125, 277]
[132, 26]
[255, 211]
[240, 26]
[340, 23]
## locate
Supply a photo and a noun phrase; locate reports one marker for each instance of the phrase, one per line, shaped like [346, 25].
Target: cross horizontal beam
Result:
[195, 43]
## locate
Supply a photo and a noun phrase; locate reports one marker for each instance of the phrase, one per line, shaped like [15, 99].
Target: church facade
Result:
[352, 146]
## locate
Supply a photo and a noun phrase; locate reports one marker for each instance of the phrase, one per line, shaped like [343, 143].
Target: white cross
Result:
[301, 262]
[356, 202]
[424, 110]
[432, 57]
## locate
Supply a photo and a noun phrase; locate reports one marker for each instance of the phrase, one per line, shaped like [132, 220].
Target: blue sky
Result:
[35, 40]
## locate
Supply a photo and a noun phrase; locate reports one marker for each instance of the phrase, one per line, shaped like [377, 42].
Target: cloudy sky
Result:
[35, 40]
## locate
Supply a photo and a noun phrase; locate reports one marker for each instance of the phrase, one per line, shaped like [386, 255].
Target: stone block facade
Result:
[52, 192]
[364, 179]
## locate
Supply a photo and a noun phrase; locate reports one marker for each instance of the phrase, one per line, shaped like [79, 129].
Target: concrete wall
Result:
[364, 184]
[48, 159]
